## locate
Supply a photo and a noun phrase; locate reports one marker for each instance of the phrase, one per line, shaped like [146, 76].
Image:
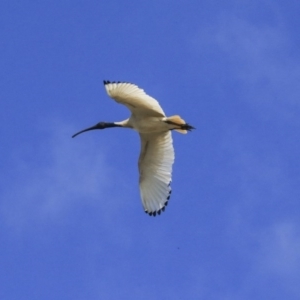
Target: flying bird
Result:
[157, 152]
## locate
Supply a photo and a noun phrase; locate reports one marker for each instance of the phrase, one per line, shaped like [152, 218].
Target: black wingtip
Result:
[105, 82]
[159, 211]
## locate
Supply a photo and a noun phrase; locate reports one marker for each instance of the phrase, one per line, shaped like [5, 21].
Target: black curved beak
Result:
[97, 126]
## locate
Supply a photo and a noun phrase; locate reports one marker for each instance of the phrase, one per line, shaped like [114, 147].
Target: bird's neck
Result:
[124, 123]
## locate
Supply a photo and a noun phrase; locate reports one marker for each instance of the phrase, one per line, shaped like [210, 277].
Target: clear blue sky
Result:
[71, 220]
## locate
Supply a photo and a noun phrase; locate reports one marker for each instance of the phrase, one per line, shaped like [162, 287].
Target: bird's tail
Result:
[177, 121]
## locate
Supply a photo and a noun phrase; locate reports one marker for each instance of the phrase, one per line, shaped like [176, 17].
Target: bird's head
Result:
[100, 125]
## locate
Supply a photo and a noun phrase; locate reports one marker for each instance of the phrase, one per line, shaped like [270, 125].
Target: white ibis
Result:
[157, 152]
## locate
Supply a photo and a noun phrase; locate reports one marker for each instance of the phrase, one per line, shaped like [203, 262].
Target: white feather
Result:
[155, 167]
[134, 98]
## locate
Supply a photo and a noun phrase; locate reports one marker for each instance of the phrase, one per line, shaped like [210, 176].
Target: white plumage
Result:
[134, 98]
[157, 152]
[155, 167]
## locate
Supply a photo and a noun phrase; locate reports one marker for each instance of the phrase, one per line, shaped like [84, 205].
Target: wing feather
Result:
[155, 167]
[134, 98]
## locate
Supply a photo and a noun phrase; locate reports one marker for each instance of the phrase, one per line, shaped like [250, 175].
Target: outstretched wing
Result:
[155, 167]
[134, 98]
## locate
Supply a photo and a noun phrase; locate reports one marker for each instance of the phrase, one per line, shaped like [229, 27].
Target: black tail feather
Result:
[187, 127]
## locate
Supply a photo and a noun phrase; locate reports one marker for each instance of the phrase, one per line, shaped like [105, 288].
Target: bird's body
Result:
[146, 124]
[157, 152]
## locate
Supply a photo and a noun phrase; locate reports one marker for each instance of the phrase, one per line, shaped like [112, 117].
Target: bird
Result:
[157, 152]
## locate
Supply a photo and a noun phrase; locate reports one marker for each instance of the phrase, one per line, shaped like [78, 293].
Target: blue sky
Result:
[71, 220]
